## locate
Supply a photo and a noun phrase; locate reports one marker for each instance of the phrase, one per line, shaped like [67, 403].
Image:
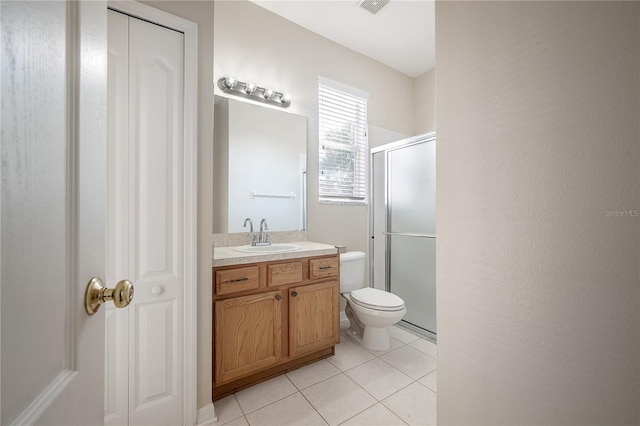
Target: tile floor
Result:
[356, 386]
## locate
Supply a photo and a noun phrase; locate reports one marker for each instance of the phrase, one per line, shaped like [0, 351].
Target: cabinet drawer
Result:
[236, 280]
[319, 268]
[284, 273]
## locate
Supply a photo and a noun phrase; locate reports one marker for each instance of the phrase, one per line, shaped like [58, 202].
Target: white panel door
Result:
[53, 193]
[116, 401]
[146, 238]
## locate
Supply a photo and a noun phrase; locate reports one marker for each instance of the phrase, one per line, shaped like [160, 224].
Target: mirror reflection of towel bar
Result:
[254, 194]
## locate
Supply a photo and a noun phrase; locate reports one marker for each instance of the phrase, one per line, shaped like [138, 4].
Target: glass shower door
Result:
[411, 230]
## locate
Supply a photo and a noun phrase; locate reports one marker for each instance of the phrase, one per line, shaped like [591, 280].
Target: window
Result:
[343, 143]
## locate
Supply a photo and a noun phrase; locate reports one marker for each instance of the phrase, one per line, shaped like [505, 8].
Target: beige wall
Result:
[538, 292]
[255, 45]
[424, 103]
[201, 13]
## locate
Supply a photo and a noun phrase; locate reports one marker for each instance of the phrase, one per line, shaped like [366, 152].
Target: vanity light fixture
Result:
[253, 92]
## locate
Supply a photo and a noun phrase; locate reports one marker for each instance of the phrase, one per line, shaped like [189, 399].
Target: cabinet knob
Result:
[278, 297]
[156, 290]
[294, 293]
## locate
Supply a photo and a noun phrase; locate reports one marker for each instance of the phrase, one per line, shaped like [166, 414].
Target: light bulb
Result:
[267, 94]
[230, 83]
[250, 88]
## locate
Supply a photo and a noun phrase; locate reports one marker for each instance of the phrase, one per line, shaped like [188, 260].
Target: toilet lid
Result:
[377, 299]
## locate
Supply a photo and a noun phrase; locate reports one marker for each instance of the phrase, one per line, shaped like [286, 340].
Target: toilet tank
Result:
[352, 265]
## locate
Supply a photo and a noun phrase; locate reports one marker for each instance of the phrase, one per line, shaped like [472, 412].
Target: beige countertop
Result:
[225, 256]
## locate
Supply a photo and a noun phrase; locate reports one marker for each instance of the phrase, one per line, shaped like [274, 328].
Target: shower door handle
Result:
[409, 234]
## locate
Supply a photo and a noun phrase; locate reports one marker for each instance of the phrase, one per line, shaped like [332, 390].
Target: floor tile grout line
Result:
[235, 418]
[431, 371]
[393, 366]
[297, 391]
[387, 397]
[241, 410]
[390, 409]
[426, 387]
[271, 403]
[378, 401]
[358, 384]
[323, 380]
[394, 413]
[302, 395]
[340, 371]
[435, 359]
[349, 378]
[365, 409]
[314, 407]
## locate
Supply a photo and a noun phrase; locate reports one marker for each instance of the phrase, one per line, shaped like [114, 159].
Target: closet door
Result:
[116, 320]
[146, 208]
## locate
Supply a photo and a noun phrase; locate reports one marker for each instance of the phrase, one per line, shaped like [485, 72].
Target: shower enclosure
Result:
[403, 226]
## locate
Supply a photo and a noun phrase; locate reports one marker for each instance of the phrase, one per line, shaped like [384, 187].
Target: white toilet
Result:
[370, 311]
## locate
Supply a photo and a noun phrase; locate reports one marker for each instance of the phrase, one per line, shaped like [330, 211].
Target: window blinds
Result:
[343, 145]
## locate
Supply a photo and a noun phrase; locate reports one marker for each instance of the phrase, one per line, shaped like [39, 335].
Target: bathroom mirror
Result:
[260, 166]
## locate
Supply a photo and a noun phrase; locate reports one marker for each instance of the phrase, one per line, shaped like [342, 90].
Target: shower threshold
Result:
[418, 331]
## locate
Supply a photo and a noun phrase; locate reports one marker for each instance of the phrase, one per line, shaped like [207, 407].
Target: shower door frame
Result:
[386, 148]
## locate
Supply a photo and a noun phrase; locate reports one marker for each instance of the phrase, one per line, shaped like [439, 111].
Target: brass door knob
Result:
[97, 294]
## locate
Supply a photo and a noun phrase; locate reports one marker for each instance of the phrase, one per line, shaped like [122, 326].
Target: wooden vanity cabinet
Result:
[248, 331]
[272, 317]
[312, 321]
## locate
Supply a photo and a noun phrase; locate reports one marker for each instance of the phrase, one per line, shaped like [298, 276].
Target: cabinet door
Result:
[248, 335]
[313, 317]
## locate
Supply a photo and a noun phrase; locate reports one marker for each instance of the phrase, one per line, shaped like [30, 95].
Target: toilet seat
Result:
[378, 300]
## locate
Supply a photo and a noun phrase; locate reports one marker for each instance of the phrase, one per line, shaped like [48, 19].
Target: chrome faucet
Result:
[253, 235]
[264, 239]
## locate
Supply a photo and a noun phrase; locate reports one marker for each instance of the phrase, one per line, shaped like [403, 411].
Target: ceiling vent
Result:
[373, 6]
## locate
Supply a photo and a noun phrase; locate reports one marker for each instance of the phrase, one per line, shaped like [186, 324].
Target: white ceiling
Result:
[401, 35]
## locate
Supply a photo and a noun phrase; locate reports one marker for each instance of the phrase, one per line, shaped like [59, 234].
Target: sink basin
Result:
[273, 248]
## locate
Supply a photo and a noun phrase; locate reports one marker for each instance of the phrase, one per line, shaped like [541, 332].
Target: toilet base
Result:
[356, 328]
[375, 338]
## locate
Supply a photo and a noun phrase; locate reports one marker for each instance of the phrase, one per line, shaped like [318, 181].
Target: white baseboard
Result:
[207, 415]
